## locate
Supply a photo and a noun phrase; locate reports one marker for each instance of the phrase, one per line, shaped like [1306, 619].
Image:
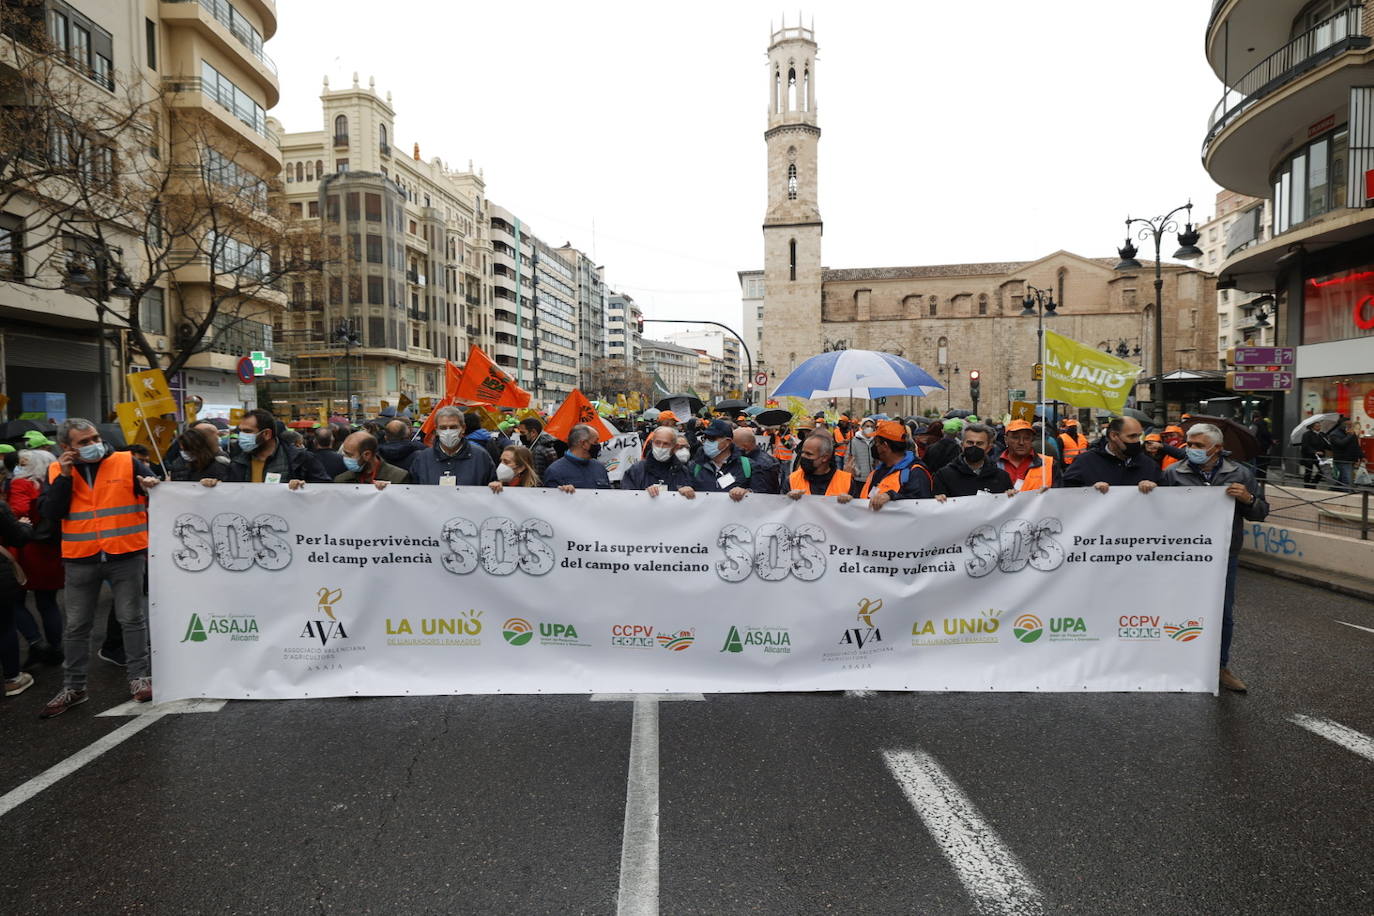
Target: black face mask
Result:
[1132, 449]
[974, 454]
[808, 466]
[594, 450]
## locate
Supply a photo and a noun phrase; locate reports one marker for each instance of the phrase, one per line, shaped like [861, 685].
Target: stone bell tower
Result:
[792, 225]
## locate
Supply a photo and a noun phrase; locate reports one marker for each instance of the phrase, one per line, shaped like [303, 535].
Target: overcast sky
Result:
[952, 132]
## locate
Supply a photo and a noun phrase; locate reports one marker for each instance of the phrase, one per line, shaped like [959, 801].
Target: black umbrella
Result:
[694, 404]
[1236, 439]
[730, 404]
[774, 417]
[15, 429]
[957, 413]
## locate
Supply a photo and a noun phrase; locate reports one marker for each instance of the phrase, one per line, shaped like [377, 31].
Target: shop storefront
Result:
[1336, 355]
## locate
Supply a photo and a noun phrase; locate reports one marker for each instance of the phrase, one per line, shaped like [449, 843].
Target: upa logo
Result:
[1070, 629]
[517, 631]
[1027, 628]
[326, 626]
[680, 641]
[1187, 631]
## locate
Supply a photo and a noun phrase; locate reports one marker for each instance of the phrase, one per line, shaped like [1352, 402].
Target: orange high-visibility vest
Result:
[841, 444]
[892, 483]
[1038, 478]
[106, 518]
[1073, 446]
[782, 451]
[840, 482]
[1168, 460]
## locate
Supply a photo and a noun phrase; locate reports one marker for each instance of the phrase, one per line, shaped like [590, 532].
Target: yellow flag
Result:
[150, 392]
[634, 402]
[130, 419]
[1085, 376]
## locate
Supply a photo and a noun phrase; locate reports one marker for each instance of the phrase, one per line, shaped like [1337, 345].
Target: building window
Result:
[11, 247]
[1128, 297]
[341, 165]
[1063, 276]
[223, 90]
[341, 131]
[151, 313]
[312, 209]
[934, 306]
[792, 259]
[792, 182]
[1311, 182]
[375, 287]
[982, 303]
[374, 249]
[319, 167]
[382, 134]
[150, 40]
[373, 203]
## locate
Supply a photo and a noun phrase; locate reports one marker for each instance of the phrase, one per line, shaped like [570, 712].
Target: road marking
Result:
[989, 871]
[1347, 738]
[859, 693]
[638, 893]
[1355, 626]
[16, 797]
[172, 708]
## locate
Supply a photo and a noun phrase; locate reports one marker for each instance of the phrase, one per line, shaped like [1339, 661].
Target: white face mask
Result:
[505, 473]
[662, 452]
[682, 455]
[449, 438]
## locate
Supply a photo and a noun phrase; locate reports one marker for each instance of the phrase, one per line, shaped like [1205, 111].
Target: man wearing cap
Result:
[1073, 441]
[817, 474]
[1027, 468]
[945, 449]
[719, 467]
[897, 472]
[1171, 449]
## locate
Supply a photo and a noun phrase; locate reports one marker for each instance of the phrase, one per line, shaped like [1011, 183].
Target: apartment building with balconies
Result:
[1295, 126]
[176, 94]
[406, 282]
[624, 328]
[1244, 318]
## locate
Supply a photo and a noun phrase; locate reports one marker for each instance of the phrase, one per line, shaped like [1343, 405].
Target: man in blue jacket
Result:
[720, 468]
[660, 470]
[578, 469]
[453, 461]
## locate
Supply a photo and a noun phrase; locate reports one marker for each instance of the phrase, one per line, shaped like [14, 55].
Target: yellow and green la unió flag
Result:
[1084, 376]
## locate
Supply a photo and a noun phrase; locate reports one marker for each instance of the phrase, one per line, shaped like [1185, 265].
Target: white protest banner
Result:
[426, 590]
[620, 454]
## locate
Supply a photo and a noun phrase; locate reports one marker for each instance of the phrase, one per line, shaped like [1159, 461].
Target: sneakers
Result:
[1231, 682]
[65, 700]
[113, 656]
[141, 689]
[17, 685]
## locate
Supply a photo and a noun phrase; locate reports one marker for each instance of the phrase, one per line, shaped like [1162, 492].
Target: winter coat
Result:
[941, 453]
[581, 473]
[388, 472]
[291, 463]
[545, 452]
[1096, 463]
[1345, 446]
[472, 467]
[13, 536]
[672, 474]
[217, 469]
[706, 477]
[398, 453]
[486, 440]
[332, 461]
[768, 466]
[42, 561]
[859, 461]
[1314, 442]
[1227, 472]
[958, 479]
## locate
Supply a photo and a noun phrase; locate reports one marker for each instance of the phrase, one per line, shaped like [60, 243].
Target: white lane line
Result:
[1355, 626]
[16, 797]
[638, 894]
[173, 707]
[859, 693]
[989, 871]
[1347, 738]
[634, 697]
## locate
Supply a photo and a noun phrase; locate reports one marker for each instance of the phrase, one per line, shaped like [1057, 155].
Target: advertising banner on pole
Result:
[426, 590]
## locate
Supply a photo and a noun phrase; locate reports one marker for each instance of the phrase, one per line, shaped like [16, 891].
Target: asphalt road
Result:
[777, 804]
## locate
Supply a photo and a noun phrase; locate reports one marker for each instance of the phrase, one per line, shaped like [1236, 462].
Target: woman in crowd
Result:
[516, 468]
[40, 558]
[199, 459]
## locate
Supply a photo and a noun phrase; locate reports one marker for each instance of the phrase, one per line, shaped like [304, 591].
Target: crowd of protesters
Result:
[74, 511]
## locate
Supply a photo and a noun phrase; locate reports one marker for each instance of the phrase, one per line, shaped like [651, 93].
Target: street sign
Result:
[261, 362]
[1038, 373]
[1016, 394]
[246, 370]
[760, 378]
[1259, 381]
[1261, 356]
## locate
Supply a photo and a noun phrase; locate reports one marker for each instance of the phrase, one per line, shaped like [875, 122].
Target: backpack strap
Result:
[748, 468]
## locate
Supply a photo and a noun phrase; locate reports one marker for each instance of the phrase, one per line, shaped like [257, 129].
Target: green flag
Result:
[1085, 376]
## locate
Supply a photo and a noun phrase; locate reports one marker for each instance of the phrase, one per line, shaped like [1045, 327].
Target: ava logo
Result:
[195, 630]
[858, 637]
[1187, 631]
[326, 629]
[958, 631]
[235, 627]
[771, 640]
[517, 631]
[677, 642]
[1027, 628]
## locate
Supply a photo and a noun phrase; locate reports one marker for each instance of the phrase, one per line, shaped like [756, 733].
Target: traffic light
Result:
[974, 387]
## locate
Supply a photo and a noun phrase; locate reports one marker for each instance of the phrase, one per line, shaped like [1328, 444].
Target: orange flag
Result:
[453, 376]
[576, 409]
[484, 382]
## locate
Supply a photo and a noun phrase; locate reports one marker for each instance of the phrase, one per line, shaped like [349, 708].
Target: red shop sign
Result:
[1364, 313]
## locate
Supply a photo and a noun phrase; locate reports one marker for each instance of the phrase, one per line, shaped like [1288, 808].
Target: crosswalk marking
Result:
[989, 871]
[175, 707]
[1335, 732]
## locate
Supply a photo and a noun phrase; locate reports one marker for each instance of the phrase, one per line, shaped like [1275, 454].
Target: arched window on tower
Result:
[806, 90]
[934, 305]
[1063, 275]
[777, 91]
[382, 135]
[300, 171]
[792, 89]
[309, 171]
[942, 353]
[982, 303]
[792, 259]
[319, 167]
[792, 182]
[341, 129]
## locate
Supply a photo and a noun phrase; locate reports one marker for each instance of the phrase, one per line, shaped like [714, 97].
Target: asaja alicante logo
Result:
[771, 640]
[1187, 631]
[234, 627]
[1027, 628]
[326, 625]
[517, 631]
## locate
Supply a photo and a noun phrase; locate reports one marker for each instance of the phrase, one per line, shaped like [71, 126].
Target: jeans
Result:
[1344, 473]
[48, 612]
[1228, 602]
[125, 576]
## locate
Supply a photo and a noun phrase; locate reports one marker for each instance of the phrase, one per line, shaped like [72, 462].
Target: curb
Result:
[1310, 575]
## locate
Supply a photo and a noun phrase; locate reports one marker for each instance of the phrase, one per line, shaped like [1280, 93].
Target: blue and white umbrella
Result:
[857, 374]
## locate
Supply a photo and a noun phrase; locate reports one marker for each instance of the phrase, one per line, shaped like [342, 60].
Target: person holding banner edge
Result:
[1117, 459]
[816, 474]
[897, 472]
[660, 469]
[578, 469]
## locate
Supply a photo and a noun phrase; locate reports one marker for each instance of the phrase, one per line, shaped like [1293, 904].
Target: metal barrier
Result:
[1303, 502]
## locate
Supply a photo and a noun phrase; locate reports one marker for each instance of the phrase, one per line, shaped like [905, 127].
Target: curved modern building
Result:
[1295, 126]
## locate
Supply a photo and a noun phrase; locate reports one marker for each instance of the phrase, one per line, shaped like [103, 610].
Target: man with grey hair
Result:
[1208, 465]
[452, 461]
[578, 469]
[99, 498]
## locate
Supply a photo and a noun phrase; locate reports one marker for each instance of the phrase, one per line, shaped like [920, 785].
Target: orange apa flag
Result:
[576, 409]
[453, 376]
[484, 382]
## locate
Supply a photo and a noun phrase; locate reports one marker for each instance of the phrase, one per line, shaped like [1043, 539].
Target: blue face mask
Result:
[1197, 456]
[93, 452]
[711, 447]
[353, 464]
[248, 441]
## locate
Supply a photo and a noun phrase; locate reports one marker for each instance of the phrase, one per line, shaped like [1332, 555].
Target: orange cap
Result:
[1070, 421]
[1017, 425]
[1153, 437]
[667, 416]
[1174, 429]
[891, 429]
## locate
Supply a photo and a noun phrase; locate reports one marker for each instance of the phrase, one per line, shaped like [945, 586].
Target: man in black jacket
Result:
[972, 471]
[1118, 459]
[1345, 449]
[399, 449]
[579, 468]
[263, 458]
[945, 449]
[660, 469]
[719, 468]
[1315, 447]
[542, 446]
[748, 445]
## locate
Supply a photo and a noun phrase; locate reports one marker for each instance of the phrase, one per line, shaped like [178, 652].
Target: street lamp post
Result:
[346, 335]
[1156, 229]
[749, 357]
[1039, 302]
[99, 290]
[948, 375]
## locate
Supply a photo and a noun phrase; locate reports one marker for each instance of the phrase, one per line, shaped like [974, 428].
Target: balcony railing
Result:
[225, 15]
[341, 141]
[1327, 39]
[174, 84]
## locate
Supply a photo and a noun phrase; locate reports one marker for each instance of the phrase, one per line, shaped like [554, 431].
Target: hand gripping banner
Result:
[262, 593]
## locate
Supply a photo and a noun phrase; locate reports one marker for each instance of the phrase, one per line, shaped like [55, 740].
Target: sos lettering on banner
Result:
[426, 590]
